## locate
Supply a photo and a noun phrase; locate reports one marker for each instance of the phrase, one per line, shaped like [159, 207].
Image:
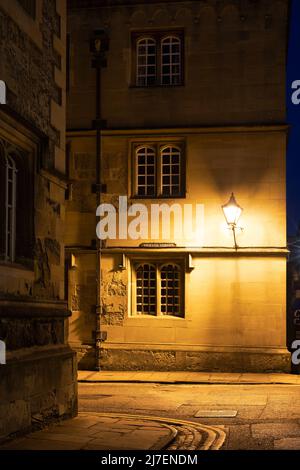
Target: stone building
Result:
[38, 372]
[293, 295]
[193, 98]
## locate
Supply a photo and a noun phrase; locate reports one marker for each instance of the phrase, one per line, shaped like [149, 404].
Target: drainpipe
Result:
[98, 46]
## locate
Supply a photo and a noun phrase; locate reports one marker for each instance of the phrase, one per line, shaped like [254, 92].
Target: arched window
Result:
[158, 170]
[145, 62]
[146, 289]
[171, 69]
[171, 171]
[8, 202]
[16, 204]
[158, 58]
[145, 171]
[170, 290]
[10, 207]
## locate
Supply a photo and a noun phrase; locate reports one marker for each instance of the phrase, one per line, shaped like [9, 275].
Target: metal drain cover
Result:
[216, 414]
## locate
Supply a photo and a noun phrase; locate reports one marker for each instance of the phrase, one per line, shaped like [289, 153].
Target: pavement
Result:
[187, 377]
[114, 431]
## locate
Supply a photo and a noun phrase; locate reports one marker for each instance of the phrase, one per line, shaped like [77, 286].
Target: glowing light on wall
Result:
[232, 212]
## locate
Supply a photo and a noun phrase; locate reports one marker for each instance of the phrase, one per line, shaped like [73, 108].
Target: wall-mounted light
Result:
[232, 212]
[122, 264]
[73, 264]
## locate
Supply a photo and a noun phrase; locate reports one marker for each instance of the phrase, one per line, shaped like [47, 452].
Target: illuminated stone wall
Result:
[230, 115]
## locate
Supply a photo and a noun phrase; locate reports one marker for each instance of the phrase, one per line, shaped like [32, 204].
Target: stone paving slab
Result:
[276, 430]
[187, 377]
[281, 412]
[90, 431]
[113, 431]
[292, 443]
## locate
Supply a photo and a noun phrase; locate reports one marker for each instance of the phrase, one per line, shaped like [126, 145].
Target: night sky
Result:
[293, 119]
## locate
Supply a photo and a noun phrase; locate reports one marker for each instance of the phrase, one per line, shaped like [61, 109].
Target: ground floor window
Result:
[158, 288]
[16, 201]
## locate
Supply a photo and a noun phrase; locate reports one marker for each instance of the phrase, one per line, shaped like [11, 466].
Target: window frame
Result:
[158, 147]
[180, 288]
[170, 64]
[148, 289]
[18, 195]
[158, 263]
[27, 147]
[162, 174]
[146, 65]
[158, 36]
[10, 206]
[137, 174]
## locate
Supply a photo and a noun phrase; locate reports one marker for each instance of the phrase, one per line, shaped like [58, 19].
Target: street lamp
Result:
[99, 45]
[232, 212]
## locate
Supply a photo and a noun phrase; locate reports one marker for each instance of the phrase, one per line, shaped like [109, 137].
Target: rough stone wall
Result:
[114, 297]
[122, 359]
[37, 391]
[35, 78]
[82, 300]
[38, 382]
[28, 332]
[29, 71]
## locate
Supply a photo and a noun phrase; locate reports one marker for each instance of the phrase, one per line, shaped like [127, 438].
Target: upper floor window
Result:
[171, 171]
[158, 289]
[145, 171]
[146, 62]
[16, 198]
[158, 58]
[171, 61]
[159, 171]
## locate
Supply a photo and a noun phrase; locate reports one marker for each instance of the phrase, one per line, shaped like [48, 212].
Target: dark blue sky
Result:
[293, 119]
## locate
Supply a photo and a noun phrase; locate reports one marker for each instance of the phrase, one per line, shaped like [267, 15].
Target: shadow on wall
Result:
[86, 357]
[83, 300]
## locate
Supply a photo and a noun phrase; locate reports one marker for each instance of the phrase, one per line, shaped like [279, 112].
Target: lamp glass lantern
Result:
[232, 212]
[99, 43]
